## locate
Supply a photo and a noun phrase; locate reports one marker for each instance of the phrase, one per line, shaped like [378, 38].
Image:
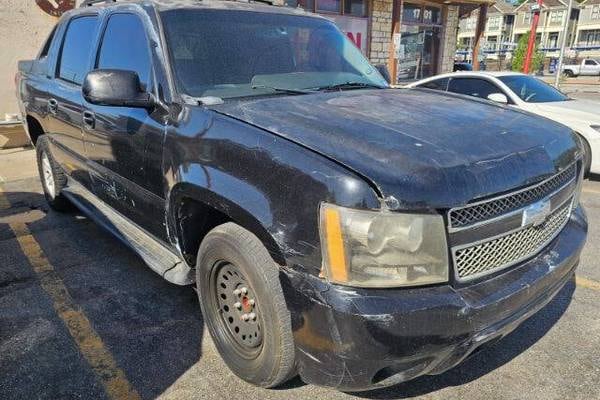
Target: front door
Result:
[124, 144]
[65, 102]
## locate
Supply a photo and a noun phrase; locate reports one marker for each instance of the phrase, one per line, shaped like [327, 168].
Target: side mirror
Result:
[113, 87]
[498, 98]
[385, 72]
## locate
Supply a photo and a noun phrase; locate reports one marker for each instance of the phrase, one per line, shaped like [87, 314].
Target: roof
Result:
[589, 3]
[545, 4]
[504, 7]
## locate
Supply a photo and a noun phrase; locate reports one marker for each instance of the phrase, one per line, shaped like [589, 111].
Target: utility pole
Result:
[535, 8]
[563, 44]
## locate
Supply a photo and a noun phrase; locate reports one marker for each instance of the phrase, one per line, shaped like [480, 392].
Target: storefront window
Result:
[418, 43]
[357, 8]
[334, 6]
[431, 15]
[411, 13]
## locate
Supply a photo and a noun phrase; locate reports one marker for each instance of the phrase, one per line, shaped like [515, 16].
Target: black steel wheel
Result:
[236, 303]
[243, 306]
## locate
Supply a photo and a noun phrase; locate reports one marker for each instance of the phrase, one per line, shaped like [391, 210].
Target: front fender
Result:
[268, 184]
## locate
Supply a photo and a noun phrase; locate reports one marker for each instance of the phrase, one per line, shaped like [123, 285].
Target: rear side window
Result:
[473, 87]
[124, 46]
[76, 49]
[438, 84]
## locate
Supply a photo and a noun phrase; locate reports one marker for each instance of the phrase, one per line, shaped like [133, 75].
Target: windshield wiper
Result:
[281, 90]
[351, 85]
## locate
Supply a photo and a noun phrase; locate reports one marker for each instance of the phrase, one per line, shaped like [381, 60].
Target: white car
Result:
[530, 94]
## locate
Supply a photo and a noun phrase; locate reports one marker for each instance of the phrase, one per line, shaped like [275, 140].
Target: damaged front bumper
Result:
[358, 339]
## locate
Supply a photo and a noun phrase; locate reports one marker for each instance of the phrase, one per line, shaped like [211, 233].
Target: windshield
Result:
[231, 54]
[532, 90]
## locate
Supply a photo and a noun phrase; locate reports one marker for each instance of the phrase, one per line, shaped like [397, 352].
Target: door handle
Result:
[52, 106]
[89, 120]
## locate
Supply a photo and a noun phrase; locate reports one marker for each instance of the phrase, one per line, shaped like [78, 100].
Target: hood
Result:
[427, 150]
[572, 110]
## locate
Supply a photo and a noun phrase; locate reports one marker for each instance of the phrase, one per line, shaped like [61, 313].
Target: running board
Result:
[157, 256]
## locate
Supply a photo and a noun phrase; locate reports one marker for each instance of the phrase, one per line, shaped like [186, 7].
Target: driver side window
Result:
[473, 87]
[125, 46]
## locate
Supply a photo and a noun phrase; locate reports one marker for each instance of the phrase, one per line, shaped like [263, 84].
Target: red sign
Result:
[355, 28]
[55, 8]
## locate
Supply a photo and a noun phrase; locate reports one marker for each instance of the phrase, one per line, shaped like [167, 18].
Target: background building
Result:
[587, 38]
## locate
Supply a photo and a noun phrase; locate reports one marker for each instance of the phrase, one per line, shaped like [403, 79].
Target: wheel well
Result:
[194, 220]
[35, 129]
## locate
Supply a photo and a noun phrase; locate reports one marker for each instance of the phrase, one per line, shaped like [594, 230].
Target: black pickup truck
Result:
[335, 227]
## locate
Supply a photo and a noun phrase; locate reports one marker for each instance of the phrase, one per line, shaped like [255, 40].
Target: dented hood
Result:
[427, 150]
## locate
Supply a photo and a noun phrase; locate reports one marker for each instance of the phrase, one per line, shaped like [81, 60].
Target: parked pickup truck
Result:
[336, 228]
[587, 67]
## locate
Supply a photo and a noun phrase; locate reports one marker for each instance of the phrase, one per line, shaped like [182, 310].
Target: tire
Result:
[568, 73]
[52, 176]
[238, 279]
[587, 156]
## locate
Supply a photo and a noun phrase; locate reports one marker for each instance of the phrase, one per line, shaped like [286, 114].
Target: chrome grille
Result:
[469, 215]
[482, 258]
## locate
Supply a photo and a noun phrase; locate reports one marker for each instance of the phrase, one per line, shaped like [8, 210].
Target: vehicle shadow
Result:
[488, 359]
[152, 329]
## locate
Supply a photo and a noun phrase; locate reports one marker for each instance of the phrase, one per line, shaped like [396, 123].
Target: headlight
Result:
[382, 249]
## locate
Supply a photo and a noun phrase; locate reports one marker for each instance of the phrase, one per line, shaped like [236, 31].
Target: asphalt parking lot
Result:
[82, 317]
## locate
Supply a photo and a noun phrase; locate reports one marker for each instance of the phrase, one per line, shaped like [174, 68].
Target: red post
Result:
[532, 35]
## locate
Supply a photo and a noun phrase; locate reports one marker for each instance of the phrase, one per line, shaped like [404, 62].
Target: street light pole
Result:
[563, 44]
[536, 8]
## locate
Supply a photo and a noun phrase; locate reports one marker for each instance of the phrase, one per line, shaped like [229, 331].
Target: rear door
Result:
[124, 144]
[65, 99]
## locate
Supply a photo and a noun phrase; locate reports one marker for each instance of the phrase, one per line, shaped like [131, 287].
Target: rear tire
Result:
[568, 73]
[52, 176]
[243, 306]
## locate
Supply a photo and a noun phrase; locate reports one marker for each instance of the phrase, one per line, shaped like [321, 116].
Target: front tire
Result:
[52, 176]
[243, 306]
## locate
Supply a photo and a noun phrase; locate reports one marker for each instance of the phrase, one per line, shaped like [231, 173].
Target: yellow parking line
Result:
[4, 203]
[587, 283]
[88, 341]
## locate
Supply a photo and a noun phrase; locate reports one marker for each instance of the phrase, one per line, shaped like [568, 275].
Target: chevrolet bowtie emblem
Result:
[536, 214]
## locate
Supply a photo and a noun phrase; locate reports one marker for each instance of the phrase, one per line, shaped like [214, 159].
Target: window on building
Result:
[590, 38]
[333, 6]
[75, 53]
[124, 46]
[552, 40]
[357, 8]
[493, 23]
[596, 11]
[432, 15]
[411, 13]
[527, 17]
[556, 17]
[473, 87]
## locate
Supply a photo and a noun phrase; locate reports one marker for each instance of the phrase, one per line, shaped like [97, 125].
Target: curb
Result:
[13, 135]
